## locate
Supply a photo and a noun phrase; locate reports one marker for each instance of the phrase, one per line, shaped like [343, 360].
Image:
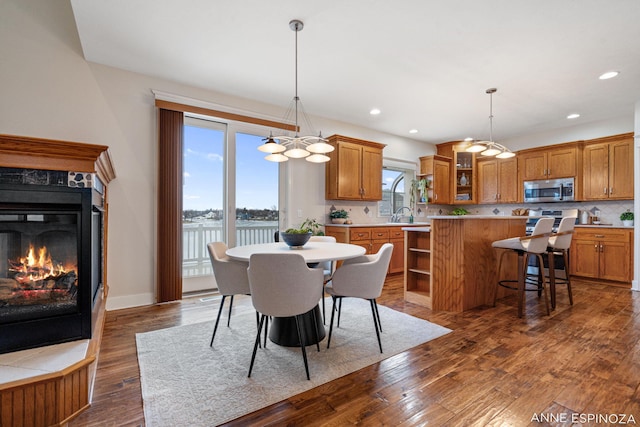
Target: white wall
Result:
[49, 91]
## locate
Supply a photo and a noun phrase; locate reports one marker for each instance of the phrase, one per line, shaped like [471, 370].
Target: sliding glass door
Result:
[230, 194]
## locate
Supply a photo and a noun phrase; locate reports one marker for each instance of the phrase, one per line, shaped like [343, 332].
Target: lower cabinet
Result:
[371, 239]
[602, 253]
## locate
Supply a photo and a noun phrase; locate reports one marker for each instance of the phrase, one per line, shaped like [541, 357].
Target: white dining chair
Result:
[328, 268]
[282, 285]
[231, 277]
[361, 277]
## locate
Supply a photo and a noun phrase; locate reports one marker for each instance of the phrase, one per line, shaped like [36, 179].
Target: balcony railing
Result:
[195, 258]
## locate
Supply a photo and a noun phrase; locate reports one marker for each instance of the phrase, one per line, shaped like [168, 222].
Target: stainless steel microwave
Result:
[549, 190]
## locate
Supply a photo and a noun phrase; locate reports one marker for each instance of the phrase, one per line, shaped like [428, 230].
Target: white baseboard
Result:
[117, 303]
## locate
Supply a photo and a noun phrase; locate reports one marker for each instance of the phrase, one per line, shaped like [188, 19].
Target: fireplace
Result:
[51, 256]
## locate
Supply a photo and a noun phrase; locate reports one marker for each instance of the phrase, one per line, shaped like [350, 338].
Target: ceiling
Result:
[425, 64]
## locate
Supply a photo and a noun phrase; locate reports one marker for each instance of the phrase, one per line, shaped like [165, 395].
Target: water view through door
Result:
[223, 172]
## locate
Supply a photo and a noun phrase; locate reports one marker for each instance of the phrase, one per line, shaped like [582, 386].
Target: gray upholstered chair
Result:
[282, 285]
[328, 267]
[231, 277]
[361, 277]
[559, 244]
[525, 247]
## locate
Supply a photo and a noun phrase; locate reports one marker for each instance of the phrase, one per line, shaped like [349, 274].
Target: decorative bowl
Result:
[295, 240]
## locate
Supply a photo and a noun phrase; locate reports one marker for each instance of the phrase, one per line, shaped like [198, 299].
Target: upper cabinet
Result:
[549, 162]
[463, 180]
[608, 168]
[355, 169]
[496, 180]
[437, 170]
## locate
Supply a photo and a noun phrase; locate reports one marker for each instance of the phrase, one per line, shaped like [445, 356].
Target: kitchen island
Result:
[451, 264]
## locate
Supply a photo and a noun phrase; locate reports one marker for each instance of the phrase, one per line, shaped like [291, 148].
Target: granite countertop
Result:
[602, 226]
[478, 217]
[383, 224]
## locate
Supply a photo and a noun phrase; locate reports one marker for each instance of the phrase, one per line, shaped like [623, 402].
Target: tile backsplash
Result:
[367, 212]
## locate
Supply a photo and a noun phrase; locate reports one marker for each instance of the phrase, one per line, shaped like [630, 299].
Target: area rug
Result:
[187, 383]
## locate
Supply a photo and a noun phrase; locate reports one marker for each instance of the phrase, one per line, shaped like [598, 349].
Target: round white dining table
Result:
[283, 329]
[311, 252]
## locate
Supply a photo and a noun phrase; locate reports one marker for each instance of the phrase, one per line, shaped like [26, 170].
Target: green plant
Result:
[308, 226]
[339, 213]
[459, 211]
[418, 190]
[626, 216]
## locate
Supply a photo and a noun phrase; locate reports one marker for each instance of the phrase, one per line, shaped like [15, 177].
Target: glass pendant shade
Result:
[476, 148]
[492, 151]
[296, 153]
[271, 146]
[320, 147]
[276, 157]
[318, 158]
[506, 155]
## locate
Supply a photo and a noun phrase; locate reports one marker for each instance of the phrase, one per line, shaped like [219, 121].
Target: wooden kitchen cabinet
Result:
[550, 162]
[496, 180]
[371, 239]
[608, 168]
[463, 178]
[437, 170]
[602, 253]
[355, 169]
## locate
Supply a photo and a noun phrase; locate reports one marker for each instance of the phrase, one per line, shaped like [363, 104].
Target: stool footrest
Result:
[504, 284]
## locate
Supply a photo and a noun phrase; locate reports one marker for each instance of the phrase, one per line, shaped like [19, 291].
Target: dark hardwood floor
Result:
[493, 369]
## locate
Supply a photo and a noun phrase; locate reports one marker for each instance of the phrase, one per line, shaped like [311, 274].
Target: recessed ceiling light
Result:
[573, 116]
[413, 131]
[609, 75]
[375, 112]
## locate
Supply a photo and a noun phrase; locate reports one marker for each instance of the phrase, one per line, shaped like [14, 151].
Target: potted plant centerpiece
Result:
[339, 216]
[627, 218]
[296, 238]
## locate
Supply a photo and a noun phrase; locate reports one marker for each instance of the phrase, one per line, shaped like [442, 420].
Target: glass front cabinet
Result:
[463, 171]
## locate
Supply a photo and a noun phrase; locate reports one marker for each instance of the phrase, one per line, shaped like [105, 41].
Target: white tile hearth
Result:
[24, 364]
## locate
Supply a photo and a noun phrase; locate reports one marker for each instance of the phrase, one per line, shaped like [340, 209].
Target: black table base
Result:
[283, 330]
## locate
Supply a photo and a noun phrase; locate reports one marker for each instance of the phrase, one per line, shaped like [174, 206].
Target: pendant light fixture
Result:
[490, 148]
[284, 147]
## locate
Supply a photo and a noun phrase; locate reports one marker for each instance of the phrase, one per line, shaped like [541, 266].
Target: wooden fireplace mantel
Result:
[56, 398]
[49, 154]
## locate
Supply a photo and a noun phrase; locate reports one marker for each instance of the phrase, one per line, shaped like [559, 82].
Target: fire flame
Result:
[36, 267]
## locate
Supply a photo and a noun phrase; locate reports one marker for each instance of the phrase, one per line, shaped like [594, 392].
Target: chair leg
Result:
[372, 302]
[495, 293]
[333, 312]
[322, 298]
[544, 288]
[375, 304]
[255, 347]
[301, 337]
[552, 277]
[258, 326]
[229, 315]
[566, 273]
[215, 328]
[339, 311]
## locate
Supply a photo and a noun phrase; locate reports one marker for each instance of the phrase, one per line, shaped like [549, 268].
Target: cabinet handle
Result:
[599, 236]
[596, 246]
[610, 190]
[605, 190]
[601, 248]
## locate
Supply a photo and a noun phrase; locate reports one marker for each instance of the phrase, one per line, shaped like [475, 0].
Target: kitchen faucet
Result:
[396, 216]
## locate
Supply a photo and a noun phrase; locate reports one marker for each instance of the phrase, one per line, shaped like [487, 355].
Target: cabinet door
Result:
[533, 165]
[507, 182]
[614, 261]
[487, 181]
[396, 238]
[441, 176]
[562, 162]
[371, 173]
[621, 169]
[349, 170]
[585, 258]
[595, 163]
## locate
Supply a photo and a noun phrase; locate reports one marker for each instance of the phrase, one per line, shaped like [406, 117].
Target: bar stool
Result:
[559, 244]
[525, 247]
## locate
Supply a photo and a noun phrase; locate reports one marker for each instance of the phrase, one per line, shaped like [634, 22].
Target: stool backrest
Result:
[538, 245]
[563, 241]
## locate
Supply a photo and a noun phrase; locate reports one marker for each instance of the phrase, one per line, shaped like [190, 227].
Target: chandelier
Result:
[283, 147]
[489, 148]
